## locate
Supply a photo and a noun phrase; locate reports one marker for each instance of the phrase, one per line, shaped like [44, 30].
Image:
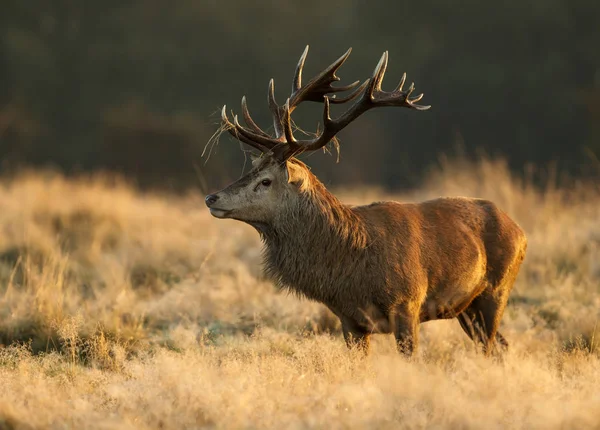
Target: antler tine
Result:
[401, 84]
[320, 85]
[376, 78]
[418, 107]
[416, 99]
[287, 125]
[262, 143]
[333, 99]
[334, 67]
[231, 128]
[380, 71]
[248, 119]
[291, 148]
[294, 146]
[329, 131]
[267, 142]
[276, 110]
[329, 72]
[298, 74]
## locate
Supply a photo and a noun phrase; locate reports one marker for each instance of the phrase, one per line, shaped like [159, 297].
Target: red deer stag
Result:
[383, 267]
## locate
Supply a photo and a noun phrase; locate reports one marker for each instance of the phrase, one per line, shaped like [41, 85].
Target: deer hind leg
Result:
[481, 319]
[501, 341]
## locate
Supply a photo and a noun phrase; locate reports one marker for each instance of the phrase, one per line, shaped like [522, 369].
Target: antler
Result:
[284, 144]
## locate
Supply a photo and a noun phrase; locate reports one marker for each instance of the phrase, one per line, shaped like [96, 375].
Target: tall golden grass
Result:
[138, 311]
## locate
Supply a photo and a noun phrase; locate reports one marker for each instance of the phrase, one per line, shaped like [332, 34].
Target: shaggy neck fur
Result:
[312, 241]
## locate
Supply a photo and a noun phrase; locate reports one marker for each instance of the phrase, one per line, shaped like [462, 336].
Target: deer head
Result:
[277, 176]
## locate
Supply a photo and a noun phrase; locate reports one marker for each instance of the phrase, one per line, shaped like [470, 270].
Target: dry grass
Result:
[122, 310]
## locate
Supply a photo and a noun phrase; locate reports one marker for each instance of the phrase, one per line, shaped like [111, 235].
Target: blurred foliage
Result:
[136, 86]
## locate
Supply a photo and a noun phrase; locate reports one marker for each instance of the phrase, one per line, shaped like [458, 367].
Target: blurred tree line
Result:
[136, 86]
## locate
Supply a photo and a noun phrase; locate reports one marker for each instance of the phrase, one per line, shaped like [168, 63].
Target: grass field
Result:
[124, 310]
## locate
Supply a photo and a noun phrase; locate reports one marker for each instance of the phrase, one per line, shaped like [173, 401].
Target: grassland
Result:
[125, 310]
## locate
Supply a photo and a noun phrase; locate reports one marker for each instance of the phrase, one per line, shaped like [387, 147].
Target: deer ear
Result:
[296, 175]
[254, 157]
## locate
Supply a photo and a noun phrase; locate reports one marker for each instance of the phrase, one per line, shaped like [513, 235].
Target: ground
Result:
[129, 310]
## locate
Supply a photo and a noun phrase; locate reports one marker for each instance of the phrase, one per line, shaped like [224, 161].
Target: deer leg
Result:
[481, 319]
[501, 341]
[406, 331]
[355, 336]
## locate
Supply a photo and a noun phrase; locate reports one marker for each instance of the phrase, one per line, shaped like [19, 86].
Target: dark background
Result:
[136, 86]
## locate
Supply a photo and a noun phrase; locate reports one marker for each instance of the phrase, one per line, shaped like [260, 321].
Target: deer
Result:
[382, 268]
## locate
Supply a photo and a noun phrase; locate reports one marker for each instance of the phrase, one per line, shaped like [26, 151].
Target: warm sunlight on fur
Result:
[135, 311]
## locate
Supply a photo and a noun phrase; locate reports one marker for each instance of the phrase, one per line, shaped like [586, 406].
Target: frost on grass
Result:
[131, 311]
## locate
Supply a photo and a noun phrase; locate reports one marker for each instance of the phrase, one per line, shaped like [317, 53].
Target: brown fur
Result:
[384, 267]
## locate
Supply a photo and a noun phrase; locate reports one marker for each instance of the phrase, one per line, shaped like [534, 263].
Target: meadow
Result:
[128, 310]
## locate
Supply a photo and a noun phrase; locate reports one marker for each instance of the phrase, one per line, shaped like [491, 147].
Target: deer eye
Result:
[266, 182]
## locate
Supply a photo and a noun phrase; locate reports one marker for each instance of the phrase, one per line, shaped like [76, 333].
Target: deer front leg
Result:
[406, 331]
[355, 336]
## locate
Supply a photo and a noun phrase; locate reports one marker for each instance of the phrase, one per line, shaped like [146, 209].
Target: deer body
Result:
[381, 268]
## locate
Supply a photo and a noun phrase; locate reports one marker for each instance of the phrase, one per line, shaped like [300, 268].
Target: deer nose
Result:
[211, 199]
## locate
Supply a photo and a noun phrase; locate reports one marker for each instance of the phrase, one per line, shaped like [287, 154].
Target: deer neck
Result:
[310, 244]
